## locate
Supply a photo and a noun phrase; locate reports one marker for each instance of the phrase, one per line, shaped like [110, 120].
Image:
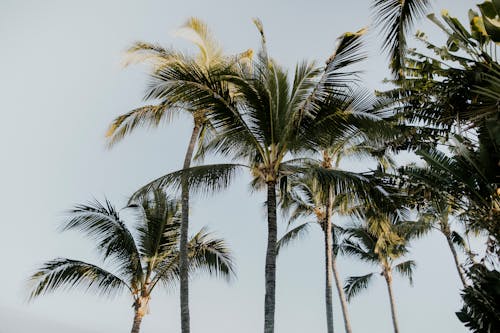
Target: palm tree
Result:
[265, 118]
[307, 197]
[383, 241]
[145, 257]
[174, 95]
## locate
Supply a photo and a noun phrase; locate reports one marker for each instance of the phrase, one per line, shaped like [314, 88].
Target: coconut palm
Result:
[173, 95]
[144, 257]
[383, 241]
[266, 118]
[307, 197]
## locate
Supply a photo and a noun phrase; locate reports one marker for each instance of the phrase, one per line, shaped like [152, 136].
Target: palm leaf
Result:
[356, 284]
[292, 235]
[65, 273]
[114, 240]
[396, 18]
[405, 269]
[203, 179]
[211, 255]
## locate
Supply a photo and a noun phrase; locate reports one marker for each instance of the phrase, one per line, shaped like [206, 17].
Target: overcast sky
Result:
[61, 84]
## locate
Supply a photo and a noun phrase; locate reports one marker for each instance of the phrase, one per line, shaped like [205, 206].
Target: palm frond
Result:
[292, 235]
[114, 240]
[405, 269]
[203, 179]
[396, 18]
[355, 284]
[211, 255]
[146, 116]
[63, 273]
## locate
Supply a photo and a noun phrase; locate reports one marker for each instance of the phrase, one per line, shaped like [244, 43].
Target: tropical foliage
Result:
[250, 113]
[136, 259]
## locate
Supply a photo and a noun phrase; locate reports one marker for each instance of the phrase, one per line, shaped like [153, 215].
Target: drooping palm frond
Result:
[70, 274]
[203, 179]
[146, 116]
[396, 17]
[114, 240]
[355, 284]
[405, 269]
[292, 235]
[211, 254]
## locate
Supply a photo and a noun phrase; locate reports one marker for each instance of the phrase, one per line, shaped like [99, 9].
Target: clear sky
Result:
[61, 84]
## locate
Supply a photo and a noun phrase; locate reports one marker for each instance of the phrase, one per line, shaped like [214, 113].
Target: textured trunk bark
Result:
[388, 279]
[343, 300]
[272, 234]
[327, 231]
[455, 258]
[184, 264]
[137, 322]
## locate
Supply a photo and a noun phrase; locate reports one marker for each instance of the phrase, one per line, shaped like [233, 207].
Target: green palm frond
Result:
[355, 284]
[203, 179]
[69, 274]
[158, 228]
[114, 240]
[292, 235]
[211, 254]
[405, 269]
[142, 117]
[459, 241]
[396, 18]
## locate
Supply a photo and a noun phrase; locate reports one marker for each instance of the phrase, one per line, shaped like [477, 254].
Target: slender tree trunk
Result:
[327, 232]
[184, 264]
[137, 322]
[343, 300]
[455, 258]
[388, 279]
[272, 234]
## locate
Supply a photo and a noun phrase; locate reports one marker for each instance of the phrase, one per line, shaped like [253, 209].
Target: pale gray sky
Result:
[61, 84]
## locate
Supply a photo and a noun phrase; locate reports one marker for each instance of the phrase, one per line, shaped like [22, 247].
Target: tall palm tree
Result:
[145, 256]
[383, 241]
[266, 118]
[307, 197]
[174, 95]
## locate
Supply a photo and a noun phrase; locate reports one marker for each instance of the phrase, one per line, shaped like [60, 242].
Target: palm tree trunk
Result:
[327, 232]
[455, 258]
[137, 322]
[183, 259]
[272, 234]
[388, 279]
[343, 300]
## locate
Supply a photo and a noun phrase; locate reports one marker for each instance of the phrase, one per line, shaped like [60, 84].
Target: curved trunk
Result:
[327, 232]
[137, 322]
[183, 247]
[388, 280]
[343, 300]
[455, 258]
[272, 234]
